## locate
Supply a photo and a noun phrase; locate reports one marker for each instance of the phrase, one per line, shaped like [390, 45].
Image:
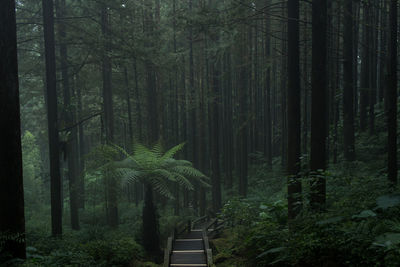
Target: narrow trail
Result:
[190, 248]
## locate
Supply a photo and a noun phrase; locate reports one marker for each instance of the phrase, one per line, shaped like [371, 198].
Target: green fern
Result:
[159, 169]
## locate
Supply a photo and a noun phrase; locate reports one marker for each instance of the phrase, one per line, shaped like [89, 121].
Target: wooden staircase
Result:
[190, 248]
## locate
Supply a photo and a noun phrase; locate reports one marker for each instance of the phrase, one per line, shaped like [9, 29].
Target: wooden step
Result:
[188, 258]
[190, 244]
[193, 235]
[188, 265]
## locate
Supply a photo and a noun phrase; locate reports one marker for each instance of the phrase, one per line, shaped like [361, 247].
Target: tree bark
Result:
[319, 103]
[111, 183]
[293, 107]
[12, 222]
[392, 96]
[348, 83]
[69, 118]
[55, 177]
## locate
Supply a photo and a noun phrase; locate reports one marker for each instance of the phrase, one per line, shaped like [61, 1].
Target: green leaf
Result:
[365, 214]
[387, 240]
[330, 220]
[272, 251]
[388, 201]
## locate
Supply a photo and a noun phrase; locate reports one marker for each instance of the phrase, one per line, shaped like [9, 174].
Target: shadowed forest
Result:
[208, 133]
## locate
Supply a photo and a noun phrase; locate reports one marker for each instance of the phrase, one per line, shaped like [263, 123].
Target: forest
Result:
[199, 133]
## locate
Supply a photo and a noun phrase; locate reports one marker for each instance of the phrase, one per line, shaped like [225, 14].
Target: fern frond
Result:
[183, 181]
[124, 152]
[171, 152]
[128, 175]
[157, 150]
[188, 171]
[164, 173]
[160, 186]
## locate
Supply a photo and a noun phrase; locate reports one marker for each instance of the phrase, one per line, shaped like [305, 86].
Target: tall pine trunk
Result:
[55, 177]
[293, 112]
[392, 96]
[319, 103]
[12, 220]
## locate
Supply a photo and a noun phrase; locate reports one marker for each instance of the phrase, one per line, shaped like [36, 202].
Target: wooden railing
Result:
[168, 250]
[214, 226]
[207, 249]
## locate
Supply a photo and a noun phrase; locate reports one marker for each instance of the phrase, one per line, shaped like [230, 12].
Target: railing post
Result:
[189, 226]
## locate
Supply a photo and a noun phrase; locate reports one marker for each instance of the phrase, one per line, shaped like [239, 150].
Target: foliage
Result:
[93, 246]
[360, 226]
[159, 169]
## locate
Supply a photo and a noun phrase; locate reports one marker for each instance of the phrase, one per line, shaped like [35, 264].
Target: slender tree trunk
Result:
[348, 83]
[243, 111]
[69, 118]
[365, 85]
[112, 210]
[228, 124]
[293, 105]
[214, 138]
[319, 103]
[12, 222]
[81, 147]
[55, 177]
[129, 109]
[284, 91]
[267, 104]
[392, 96]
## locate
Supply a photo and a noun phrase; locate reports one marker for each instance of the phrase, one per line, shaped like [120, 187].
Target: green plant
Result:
[158, 171]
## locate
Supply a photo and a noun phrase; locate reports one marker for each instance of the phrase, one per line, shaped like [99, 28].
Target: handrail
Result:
[167, 251]
[182, 227]
[188, 226]
[199, 220]
[207, 249]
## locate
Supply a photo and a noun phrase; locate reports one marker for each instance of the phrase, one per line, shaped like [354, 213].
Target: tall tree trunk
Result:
[348, 83]
[267, 104]
[319, 103]
[12, 222]
[69, 118]
[129, 109]
[55, 177]
[392, 96]
[81, 148]
[365, 85]
[293, 107]
[112, 209]
[214, 138]
[284, 91]
[243, 111]
[228, 124]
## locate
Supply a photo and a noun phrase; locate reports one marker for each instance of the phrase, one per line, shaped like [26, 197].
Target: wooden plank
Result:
[189, 239]
[188, 245]
[189, 251]
[188, 265]
[192, 235]
[188, 258]
[167, 252]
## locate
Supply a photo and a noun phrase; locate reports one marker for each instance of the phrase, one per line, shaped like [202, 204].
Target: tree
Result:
[12, 220]
[69, 118]
[392, 96]
[293, 111]
[348, 86]
[159, 171]
[319, 103]
[365, 81]
[55, 178]
[112, 209]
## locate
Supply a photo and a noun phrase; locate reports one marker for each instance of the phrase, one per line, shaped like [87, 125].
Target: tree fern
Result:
[159, 170]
